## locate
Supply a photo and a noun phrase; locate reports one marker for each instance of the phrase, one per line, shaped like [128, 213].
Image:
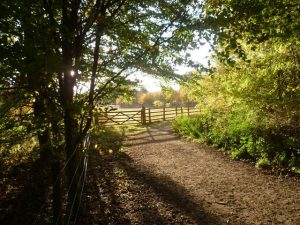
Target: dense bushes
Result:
[251, 109]
[267, 146]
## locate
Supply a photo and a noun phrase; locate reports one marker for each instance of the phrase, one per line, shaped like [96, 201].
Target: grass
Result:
[109, 140]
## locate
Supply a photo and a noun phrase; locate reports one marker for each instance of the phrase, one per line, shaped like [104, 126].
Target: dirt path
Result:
[231, 191]
[161, 179]
[164, 179]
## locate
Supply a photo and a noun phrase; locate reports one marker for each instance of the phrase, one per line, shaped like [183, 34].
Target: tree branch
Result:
[13, 88]
[53, 22]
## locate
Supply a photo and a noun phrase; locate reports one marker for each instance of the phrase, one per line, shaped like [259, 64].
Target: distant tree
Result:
[158, 103]
[168, 95]
[146, 99]
[182, 96]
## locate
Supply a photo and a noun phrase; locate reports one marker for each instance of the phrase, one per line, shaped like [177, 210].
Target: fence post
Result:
[181, 110]
[164, 113]
[176, 111]
[143, 115]
[188, 110]
[149, 115]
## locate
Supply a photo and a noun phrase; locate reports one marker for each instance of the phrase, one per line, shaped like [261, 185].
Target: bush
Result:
[244, 138]
[251, 108]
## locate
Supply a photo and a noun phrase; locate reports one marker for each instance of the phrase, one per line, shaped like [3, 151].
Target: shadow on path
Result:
[130, 194]
[148, 138]
[170, 192]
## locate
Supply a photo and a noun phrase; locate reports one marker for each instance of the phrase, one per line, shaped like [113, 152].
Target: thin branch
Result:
[99, 31]
[108, 91]
[109, 81]
[95, 65]
[53, 22]
[88, 123]
[92, 18]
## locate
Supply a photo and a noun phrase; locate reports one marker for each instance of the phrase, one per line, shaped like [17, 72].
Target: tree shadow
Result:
[24, 195]
[150, 198]
[152, 137]
[171, 192]
[151, 142]
[149, 138]
[100, 197]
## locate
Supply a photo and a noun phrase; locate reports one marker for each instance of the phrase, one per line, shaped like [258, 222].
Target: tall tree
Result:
[54, 49]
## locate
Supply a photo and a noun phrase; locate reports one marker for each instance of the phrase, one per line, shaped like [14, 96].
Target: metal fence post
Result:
[164, 113]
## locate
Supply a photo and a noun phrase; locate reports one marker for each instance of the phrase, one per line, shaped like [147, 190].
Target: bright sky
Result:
[152, 84]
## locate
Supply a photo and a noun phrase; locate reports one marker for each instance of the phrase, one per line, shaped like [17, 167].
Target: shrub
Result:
[243, 139]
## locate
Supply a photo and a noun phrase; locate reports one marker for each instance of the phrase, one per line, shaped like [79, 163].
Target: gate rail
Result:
[142, 116]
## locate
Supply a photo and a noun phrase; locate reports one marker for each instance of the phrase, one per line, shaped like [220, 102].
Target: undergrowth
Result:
[109, 140]
[242, 138]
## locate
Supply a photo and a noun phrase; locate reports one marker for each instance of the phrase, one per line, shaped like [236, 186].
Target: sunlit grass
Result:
[108, 140]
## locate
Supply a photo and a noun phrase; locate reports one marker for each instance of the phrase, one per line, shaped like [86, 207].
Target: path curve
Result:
[232, 192]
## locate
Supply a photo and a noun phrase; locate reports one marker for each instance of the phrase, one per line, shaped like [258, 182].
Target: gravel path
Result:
[206, 187]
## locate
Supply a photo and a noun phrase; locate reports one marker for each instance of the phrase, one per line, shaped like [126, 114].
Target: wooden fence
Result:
[142, 116]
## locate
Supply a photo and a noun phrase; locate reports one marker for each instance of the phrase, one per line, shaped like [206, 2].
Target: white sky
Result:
[153, 85]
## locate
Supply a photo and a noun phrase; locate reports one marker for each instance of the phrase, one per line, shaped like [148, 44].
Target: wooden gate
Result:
[121, 117]
[143, 115]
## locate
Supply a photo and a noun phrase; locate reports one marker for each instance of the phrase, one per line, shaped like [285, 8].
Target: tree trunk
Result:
[44, 150]
[57, 193]
[47, 158]
[73, 151]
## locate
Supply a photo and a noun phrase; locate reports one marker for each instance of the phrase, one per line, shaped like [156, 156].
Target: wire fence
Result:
[84, 146]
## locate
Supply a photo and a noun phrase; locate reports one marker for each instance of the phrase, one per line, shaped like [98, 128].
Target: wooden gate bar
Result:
[142, 117]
